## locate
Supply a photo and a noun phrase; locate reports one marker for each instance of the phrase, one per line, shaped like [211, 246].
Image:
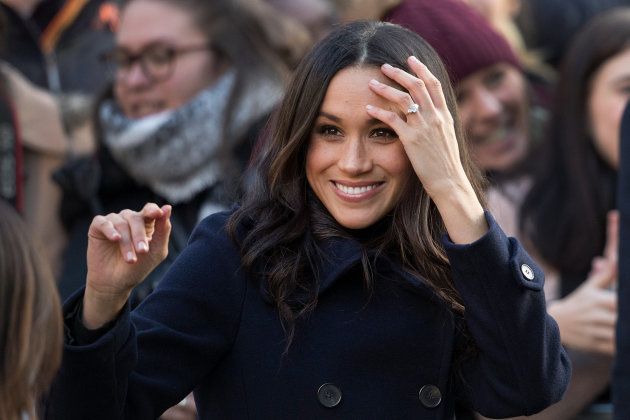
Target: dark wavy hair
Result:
[285, 221]
[564, 213]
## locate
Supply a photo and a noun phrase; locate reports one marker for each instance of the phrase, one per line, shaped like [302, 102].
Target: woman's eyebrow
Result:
[330, 116]
[371, 121]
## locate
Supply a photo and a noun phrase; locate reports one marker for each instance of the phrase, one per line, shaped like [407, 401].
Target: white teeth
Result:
[355, 190]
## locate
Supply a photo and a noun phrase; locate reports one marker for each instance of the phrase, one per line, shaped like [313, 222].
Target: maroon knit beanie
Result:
[462, 37]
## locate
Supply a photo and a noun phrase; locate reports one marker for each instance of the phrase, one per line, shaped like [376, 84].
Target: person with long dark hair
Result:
[566, 215]
[360, 277]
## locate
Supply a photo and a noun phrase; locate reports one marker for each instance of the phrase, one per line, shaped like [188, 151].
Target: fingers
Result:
[102, 225]
[602, 338]
[115, 229]
[125, 243]
[605, 319]
[132, 230]
[424, 88]
[612, 235]
[604, 274]
[397, 96]
[433, 85]
[150, 212]
[159, 244]
[416, 87]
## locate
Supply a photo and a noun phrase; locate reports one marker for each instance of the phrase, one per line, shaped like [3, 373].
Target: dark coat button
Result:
[329, 395]
[430, 396]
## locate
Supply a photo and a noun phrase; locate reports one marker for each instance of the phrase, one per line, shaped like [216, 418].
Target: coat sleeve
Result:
[519, 367]
[152, 357]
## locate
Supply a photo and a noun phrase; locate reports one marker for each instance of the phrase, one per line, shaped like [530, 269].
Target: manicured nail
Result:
[369, 107]
[142, 246]
[374, 82]
[130, 257]
[414, 59]
[387, 66]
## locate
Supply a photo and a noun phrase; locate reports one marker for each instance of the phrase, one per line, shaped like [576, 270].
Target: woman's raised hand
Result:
[428, 134]
[123, 248]
[424, 125]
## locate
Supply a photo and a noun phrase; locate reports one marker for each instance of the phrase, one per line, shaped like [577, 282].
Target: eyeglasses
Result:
[157, 61]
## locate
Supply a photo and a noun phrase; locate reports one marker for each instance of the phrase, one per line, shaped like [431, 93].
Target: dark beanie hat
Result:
[462, 37]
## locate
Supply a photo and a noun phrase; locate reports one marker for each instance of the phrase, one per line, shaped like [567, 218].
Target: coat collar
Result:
[338, 255]
[341, 254]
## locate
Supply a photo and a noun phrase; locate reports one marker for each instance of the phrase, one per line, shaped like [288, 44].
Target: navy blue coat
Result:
[390, 354]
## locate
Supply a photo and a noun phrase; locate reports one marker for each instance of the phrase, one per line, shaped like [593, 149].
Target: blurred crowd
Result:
[107, 105]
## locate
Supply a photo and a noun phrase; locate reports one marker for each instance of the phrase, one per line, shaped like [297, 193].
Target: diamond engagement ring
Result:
[413, 108]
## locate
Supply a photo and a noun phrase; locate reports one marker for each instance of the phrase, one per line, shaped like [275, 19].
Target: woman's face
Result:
[609, 93]
[355, 164]
[493, 107]
[155, 28]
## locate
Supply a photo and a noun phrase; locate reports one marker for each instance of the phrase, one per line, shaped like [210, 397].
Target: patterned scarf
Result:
[176, 152]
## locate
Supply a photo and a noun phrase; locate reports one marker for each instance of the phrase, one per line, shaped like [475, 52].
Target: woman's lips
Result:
[355, 192]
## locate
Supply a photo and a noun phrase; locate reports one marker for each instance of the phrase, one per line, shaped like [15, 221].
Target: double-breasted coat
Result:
[390, 353]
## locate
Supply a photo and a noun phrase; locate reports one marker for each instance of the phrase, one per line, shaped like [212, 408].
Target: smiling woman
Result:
[361, 255]
[355, 164]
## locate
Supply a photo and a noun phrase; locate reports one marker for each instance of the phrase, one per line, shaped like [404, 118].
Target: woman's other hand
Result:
[123, 248]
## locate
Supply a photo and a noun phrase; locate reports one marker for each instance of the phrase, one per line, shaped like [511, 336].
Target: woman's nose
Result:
[486, 105]
[134, 76]
[355, 157]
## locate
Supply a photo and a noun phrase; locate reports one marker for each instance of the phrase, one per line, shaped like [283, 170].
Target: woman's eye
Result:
[384, 133]
[328, 130]
[159, 56]
[494, 78]
[461, 96]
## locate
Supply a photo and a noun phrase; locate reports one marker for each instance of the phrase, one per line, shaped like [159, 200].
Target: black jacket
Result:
[389, 354]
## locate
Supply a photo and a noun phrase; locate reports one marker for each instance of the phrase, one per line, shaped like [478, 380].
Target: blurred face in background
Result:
[162, 59]
[496, 10]
[318, 16]
[609, 93]
[493, 106]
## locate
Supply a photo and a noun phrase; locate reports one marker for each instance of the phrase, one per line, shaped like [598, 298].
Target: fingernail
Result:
[369, 107]
[374, 82]
[142, 246]
[130, 257]
[387, 66]
[413, 58]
